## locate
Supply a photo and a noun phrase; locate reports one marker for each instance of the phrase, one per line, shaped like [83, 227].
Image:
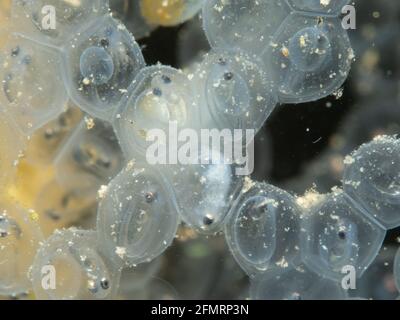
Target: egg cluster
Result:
[86, 75]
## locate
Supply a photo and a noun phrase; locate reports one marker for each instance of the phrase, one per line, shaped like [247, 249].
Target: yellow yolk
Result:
[162, 12]
[5, 9]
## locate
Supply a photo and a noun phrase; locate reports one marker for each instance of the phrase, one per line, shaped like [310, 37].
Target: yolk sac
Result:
[128, 11]
[169, 13]
[309, 49]
[97, 65]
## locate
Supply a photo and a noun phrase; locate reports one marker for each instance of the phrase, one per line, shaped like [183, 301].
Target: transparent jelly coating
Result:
[204, 190]
[372, 179]
[245, 24]
[263, 228]
[169, 13]
[158, 96]
[45, 142]
[70, 265]
[12, 145]
[309, 58]
[396, 269]
[96, 65]
[233, 91]
[337, 234]
[61, 206]
[128, 11]
[53, 22]
[137, 217]
[31, 91]
[282, 283]
[90, 157]
[19, 240]
[99, 65]
[320, 7]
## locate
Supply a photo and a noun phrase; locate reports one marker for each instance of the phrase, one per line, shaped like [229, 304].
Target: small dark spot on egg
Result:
[105, 284]
[208, 220]
[228, 76]
[157, 92]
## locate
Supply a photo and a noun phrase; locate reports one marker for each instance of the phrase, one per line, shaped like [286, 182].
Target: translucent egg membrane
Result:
[137, 218]
[31, 91]
[371, 178]
[90, 157]
[99, 65]
[227, 25]
[303, 47]
[12, 145]
[20, 237]
[158, 96]
[81, 268]
[58, 205]
[309, 57]
[232, 91]
[335, 234]
[294, 284]
[263, 228]
[34, 18]
[46, 142]
[204, 190]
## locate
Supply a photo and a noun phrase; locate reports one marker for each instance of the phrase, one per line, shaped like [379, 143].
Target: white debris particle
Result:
[102, 191]
[89, 123]
[121, 252]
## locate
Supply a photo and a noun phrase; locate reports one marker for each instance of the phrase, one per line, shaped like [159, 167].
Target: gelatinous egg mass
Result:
[89, 211]
[371, 178]
[83, 271]
[137, 218]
